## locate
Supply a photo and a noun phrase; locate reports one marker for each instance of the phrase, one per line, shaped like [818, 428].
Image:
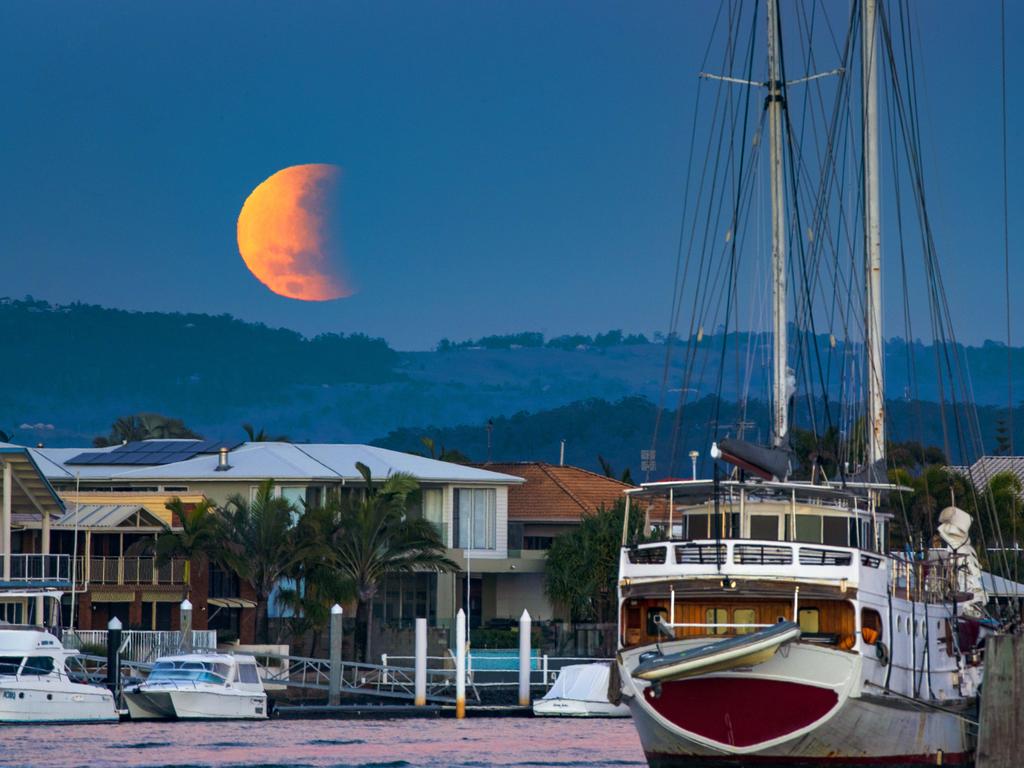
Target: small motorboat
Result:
[35, 686]
[199, 686]
[580, 690]
[739, 651]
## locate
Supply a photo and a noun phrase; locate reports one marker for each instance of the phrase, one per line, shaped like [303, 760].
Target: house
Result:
[468, 505]
[549, 502]
[987, 467]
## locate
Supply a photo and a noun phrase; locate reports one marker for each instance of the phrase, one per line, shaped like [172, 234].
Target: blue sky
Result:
[508, 165]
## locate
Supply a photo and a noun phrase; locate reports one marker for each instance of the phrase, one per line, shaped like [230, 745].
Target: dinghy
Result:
[740, 651]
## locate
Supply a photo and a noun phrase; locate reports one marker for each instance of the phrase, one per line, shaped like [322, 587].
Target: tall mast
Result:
[872, 236]
[775, 103]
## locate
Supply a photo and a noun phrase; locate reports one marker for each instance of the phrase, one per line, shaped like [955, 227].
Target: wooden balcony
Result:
[130, 572]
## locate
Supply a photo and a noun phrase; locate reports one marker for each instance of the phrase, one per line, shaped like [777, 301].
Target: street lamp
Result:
[693, 462]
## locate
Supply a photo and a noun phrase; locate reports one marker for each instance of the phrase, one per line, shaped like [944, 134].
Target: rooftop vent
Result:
[222, 459]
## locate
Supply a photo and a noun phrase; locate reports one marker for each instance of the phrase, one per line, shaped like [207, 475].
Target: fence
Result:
[37, 568]
[142, 646]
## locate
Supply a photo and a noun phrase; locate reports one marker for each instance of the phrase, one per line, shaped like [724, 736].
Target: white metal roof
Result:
[104, 516]
[280, 461]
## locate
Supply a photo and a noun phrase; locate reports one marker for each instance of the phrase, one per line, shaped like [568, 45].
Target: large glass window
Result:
[476, 518]
[808, 528]
[835, 531]
[9, 665]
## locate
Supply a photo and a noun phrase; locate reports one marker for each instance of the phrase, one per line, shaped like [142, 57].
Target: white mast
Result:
[775, 105]
[872, 237]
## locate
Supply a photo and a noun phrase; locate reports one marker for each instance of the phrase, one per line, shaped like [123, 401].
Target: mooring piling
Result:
[185, 622]
[1001, 727]
[335, 637]
[114, 655]
[524, 658]
[460, 664]
[420, 676]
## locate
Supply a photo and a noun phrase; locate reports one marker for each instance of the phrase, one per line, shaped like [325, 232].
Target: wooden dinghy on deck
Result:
[740, 651]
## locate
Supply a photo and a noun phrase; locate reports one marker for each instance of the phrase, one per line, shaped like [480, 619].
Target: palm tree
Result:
[260, 545]
[201, 535]
[263, 436]
[145, 426]
[315, 584]
[374, 538]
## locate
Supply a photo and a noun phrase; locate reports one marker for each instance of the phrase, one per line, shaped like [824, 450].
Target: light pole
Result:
[693, 462]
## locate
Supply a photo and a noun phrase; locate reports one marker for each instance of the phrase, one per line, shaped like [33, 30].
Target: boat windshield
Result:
[196, 671]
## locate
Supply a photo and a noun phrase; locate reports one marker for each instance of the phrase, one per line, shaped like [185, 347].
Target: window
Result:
[433, 510]
[38, 665]
[476, 518]
[835, 531]
[744, 616]
[808, 528]
[764, 527]
[247, 673]
[809, 620]
[716, 616]
[699, 527]
[870, 625]
[654, 616]
[9, 665]
[537, 542]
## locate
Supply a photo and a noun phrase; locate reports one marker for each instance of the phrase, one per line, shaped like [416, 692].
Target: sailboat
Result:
[765, 620]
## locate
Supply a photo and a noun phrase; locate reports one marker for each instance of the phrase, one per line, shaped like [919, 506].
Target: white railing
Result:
[143, 645]
[130, 571]
[36, 568]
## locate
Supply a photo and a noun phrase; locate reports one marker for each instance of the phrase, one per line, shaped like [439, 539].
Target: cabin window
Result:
[38, 665]
[764, 527]
[716, 616]
[870, 625]
[744, 616]
[699, 527]
[808, 528]
[809, 620]
[247, 673]
[9, 665]
[899, 623]
[835, 531]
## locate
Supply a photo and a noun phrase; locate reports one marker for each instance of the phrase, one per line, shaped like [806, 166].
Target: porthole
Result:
[21, 695]
[49, 697]
[899, 623]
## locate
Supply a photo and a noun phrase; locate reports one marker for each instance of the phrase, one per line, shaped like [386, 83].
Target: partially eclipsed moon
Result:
[289, 234]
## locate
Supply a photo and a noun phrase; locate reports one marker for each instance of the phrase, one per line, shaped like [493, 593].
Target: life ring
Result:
[882, 653]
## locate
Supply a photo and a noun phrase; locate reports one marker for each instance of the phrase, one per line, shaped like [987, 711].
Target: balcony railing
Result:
[131, 571]
[35, 569]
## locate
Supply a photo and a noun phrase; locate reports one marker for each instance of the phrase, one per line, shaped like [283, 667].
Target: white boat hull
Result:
[168, 703]
[54, 700]
[577, 708]
[805, 706]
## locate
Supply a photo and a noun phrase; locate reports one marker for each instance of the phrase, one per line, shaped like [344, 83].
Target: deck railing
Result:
[36, 569]
[131, 571]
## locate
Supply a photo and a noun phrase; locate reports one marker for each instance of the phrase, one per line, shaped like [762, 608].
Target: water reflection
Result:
[424, 743]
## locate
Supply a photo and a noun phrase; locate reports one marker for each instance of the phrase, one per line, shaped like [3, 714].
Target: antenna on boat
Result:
[872, 240]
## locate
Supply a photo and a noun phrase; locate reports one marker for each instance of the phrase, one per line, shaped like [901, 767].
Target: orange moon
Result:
[289, 234]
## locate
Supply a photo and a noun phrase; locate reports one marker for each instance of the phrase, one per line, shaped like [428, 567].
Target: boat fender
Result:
[614, 685]
[882, 653]
[656, 690]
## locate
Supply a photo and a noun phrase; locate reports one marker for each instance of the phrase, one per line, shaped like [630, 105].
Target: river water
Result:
[423, 743]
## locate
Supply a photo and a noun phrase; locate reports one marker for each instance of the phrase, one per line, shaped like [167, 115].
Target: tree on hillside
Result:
[145, 426]
[1002, 437]
[200, 538]
[374, 538]
[260, 545]
[263, 436]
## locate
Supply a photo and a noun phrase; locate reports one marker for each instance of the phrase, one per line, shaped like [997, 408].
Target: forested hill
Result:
[70, 371]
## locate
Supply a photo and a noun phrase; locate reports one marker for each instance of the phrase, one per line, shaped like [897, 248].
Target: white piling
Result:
[460, 664]
[524, 659]
[421, 662]
[334, 638]
[185, 622]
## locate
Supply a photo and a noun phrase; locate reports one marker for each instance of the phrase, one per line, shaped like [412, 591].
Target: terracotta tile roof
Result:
[555, 493]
